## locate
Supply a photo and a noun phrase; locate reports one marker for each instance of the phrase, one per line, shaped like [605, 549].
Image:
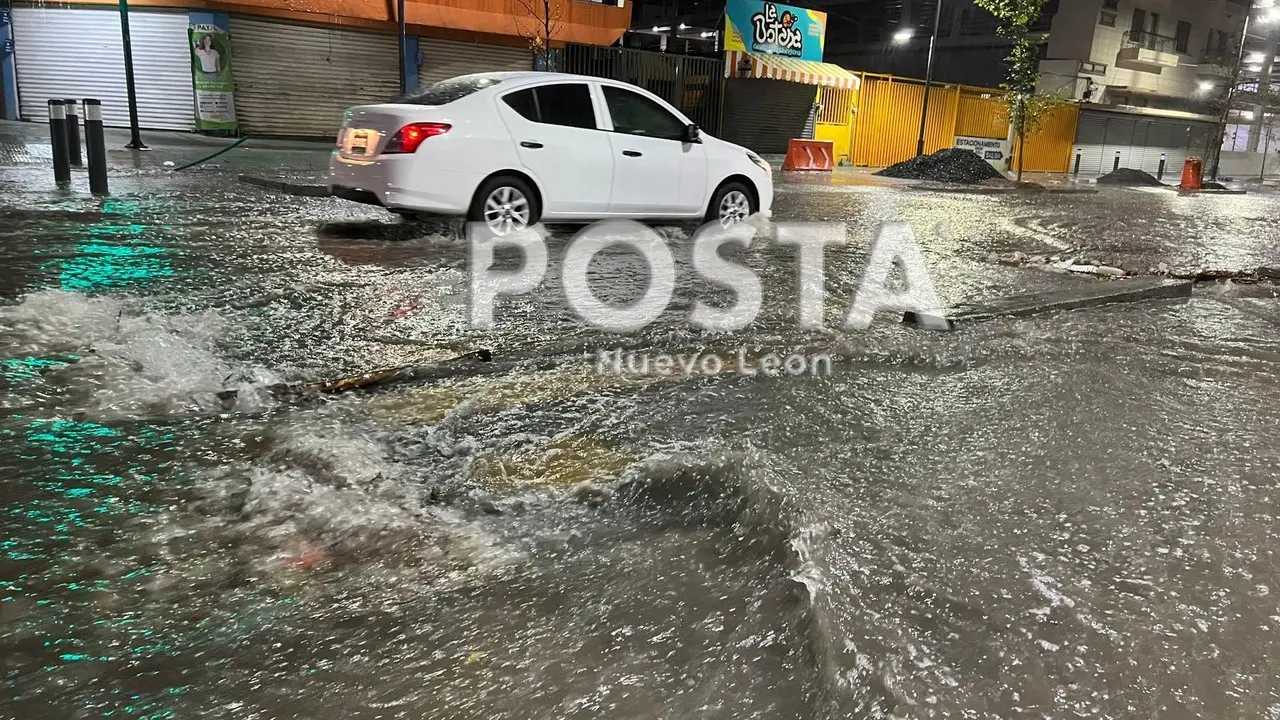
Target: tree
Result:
[539, 25]
[1024, 104]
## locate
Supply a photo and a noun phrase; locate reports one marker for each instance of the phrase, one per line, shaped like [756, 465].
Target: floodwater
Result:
[1072, 515]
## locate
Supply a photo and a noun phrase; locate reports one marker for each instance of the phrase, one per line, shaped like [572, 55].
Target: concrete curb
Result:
[286, 187]
[1003, 191]
[1091, 295]
[1213, 192]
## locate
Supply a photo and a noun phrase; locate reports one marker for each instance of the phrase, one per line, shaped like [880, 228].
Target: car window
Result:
[566, 104]
[523, 102]
[636, 114]
[447, 91]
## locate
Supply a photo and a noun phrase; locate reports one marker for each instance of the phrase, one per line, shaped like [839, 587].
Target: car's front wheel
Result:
[732, 203]
[505, 204]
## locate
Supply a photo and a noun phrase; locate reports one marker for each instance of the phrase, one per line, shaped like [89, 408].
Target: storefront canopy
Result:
[777, 67]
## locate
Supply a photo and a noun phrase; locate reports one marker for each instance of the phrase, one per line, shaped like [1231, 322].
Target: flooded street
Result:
[1069, 515]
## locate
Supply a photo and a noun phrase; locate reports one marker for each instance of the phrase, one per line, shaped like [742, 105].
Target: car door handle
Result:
[531, 145]
[632, 153]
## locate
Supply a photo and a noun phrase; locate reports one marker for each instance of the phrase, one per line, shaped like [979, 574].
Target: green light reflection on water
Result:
[18, 369]
[112, 254]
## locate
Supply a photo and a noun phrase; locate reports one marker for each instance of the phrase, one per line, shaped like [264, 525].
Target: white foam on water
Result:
[333, 486]
[133, 362]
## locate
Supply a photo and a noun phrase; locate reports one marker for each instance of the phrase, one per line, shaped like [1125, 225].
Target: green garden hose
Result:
[203, 160]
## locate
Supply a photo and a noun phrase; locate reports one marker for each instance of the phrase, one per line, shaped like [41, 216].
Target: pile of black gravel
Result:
[1129, 177]
[950, 165]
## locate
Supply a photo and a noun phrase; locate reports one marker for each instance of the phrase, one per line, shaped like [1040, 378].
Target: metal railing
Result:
[1150, 41]
[692, 84]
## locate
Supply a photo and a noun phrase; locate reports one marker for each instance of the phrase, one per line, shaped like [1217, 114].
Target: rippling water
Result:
[1066, 516]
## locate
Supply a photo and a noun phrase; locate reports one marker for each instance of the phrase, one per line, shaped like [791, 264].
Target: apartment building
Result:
[1171, 55]
[1151, 76]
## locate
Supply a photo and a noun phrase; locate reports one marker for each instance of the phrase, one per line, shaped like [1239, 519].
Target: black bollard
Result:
[1117, 165]
[95, 147]
[1076, 172]
[73, 150]
[58, 139]
[1164, 158]
[73, 133]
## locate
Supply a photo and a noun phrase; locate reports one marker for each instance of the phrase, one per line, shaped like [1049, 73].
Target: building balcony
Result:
[1147, 52]
[1212, 69]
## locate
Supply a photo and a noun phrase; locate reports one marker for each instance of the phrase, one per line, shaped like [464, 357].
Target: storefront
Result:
[1138, 141]
[298, 78]
[773, 62]
[274, 67]
[443, 59]
[77, 52]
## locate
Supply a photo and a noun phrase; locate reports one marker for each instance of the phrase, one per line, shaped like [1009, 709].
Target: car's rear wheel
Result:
[506, 204]
[732, 203]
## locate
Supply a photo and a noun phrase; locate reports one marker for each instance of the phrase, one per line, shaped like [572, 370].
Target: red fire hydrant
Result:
[1192, 174]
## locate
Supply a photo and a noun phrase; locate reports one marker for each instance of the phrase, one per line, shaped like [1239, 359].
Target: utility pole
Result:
[135, 135]
[928, 77]
[403, 41]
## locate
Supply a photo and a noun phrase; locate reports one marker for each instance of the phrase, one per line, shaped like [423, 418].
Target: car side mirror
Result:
[691, 134]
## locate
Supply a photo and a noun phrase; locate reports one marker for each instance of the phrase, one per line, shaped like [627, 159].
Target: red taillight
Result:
[408, 138]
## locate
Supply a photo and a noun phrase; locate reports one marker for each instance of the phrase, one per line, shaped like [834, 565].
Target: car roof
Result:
[529, 76]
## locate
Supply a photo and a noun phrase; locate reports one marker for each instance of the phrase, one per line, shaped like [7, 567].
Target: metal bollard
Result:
[73, 133]
[1164, 158]
[58, 139]
[1076, 171]
[1117, 165]
[95, 146]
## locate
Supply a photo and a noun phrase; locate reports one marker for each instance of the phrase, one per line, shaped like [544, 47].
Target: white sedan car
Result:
[515, 148]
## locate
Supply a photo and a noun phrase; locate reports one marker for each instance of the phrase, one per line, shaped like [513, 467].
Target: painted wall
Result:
[576, 21]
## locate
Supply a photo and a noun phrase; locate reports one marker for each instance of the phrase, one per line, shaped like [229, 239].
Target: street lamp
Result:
[928, 77]
[135, 135]
[1272, 15]
[902, 37]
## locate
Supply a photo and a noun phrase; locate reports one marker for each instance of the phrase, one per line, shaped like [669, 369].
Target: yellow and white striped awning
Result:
[740, 63]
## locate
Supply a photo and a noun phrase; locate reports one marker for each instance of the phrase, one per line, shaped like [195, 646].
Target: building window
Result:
[1182, 40]
[1107, 19]
[1110, 4]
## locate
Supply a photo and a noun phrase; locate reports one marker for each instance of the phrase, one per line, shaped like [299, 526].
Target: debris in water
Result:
[1128, 177]
[950, 165]
[590, 494]
[365, 381]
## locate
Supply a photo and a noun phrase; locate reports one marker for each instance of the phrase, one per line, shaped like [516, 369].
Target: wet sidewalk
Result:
[27, 143]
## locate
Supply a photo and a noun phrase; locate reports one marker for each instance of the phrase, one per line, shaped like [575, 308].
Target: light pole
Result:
[928, 77]
[403, 60]
[135, 135]
[1272, 16]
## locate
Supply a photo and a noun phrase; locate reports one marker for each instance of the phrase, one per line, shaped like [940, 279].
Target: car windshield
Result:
[447, 91]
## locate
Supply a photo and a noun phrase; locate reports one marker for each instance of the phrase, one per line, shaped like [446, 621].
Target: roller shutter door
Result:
[443, 59]
[1140, 141]
[764, 114]
[1091, 135]
[64, 52]
[298, 79]
[1119, 143]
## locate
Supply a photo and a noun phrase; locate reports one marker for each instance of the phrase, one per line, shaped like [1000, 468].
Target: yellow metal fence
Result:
[879, 124]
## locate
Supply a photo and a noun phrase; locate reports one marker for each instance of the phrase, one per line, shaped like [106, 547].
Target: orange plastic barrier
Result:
[1193, 174]
[809, 155]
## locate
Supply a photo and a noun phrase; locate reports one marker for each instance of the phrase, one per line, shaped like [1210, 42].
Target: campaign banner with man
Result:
[211, 77]
[774, 29]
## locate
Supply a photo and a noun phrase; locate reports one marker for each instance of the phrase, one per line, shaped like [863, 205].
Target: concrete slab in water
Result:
[1087, 295]
[285, 186]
